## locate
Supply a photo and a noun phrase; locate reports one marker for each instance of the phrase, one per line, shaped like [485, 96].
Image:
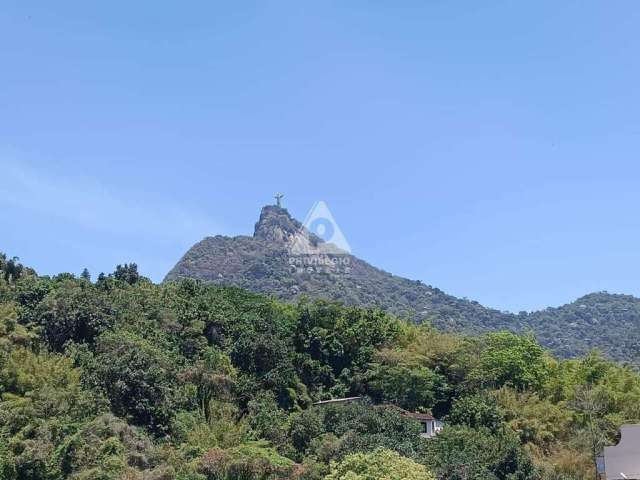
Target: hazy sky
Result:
[490, 149]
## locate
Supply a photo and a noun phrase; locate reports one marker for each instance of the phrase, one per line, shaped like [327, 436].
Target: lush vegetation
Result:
[604, 320]
[125, 379]
[261, 264]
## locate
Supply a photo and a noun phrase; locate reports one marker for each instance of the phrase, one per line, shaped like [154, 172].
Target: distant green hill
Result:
[261, 263]
[609, 322]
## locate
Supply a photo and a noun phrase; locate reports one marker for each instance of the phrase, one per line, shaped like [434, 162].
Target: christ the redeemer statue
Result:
[278, 198]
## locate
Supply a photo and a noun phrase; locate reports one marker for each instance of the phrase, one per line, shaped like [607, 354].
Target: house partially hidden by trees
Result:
[431, 426]
[623, 460]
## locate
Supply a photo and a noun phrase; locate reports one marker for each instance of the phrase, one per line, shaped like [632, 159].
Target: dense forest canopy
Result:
[122, 378]
[261, 264]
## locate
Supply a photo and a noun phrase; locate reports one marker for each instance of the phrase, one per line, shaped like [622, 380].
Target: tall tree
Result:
[12, 269]
[85, 275]
[591, 406]
[127, 273]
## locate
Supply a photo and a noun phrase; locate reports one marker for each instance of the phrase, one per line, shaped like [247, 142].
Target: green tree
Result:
[249, 461]
[266, 419]
[267, 358]
[11, 332]
[138, 377]
[539, 423]
[475, 411]
[512, 360]
[103, 448]
[378, 465]
[591, 406]
[33, 385]
[7, 464]
[346, 339]
[127, 273]
[42, 401]
[11, 268]
[74, 311]
[411, 387]
[462, 453]
[358, 427]
[214, 377]
[85, 275]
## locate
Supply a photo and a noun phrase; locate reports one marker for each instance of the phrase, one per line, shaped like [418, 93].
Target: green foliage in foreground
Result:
[378, 465]
[126, 380]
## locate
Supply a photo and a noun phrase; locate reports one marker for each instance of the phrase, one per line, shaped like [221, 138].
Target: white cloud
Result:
[97, 207]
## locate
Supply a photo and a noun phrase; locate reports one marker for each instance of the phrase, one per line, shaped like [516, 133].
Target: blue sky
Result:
[487, 148]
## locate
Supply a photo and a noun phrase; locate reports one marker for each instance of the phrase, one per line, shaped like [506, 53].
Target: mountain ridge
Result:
[262, 263]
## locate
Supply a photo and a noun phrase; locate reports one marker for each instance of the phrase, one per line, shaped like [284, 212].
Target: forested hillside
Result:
[125, 379]
[599, 320]
[261, 264]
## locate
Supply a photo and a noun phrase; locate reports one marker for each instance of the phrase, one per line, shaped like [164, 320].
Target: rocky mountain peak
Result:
[275, 224]
[262, 263]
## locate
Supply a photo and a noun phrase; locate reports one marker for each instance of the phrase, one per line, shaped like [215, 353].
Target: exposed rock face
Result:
[263, 263]
[276, 225]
